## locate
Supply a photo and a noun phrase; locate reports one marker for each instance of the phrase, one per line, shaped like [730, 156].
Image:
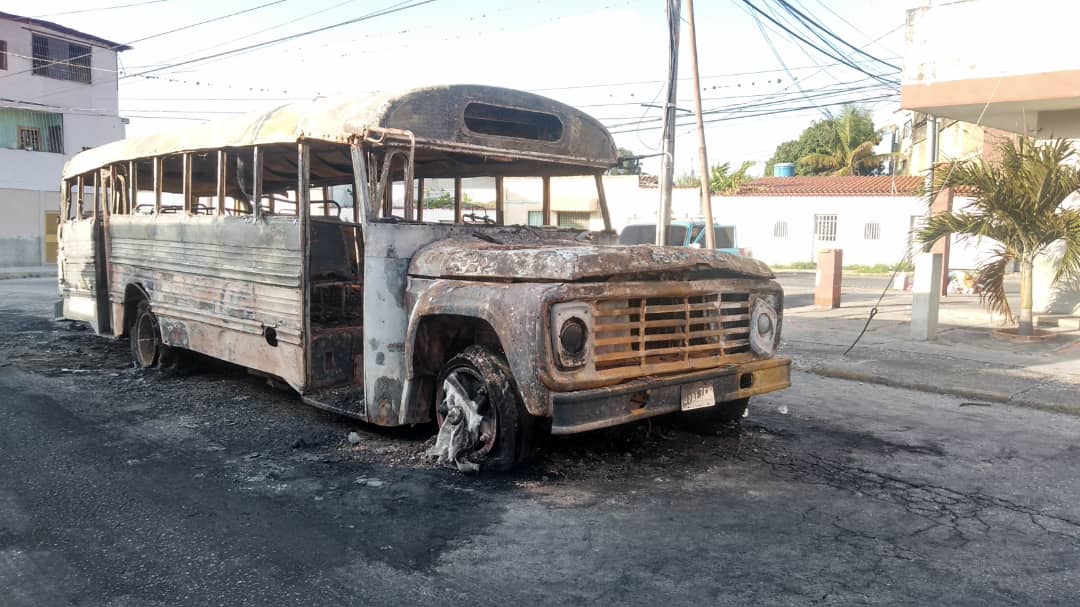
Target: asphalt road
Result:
[127, 488]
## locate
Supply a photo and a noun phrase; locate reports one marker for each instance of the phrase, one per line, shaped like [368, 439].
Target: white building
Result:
[58, 96]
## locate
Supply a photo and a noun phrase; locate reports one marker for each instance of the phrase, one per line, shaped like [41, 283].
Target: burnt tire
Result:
[723, 413]
[144, 339]
[487, 379]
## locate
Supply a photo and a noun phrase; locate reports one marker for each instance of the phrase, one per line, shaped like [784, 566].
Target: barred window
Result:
[872, 231]
[30, 139]
[60, 59]
[825, 227]
[779, 229]
[579, 220]
[3, 54]
[536, 218]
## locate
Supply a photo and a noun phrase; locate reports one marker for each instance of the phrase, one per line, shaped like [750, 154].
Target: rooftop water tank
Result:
[783, 169]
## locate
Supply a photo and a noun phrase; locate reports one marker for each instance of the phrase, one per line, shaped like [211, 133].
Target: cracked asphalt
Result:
[127, 488]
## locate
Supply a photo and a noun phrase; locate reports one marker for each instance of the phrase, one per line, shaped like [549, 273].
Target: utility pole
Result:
[667, 160]
[706, 198]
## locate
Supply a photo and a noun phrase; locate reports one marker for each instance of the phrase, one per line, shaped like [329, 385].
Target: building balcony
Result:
[996, 63]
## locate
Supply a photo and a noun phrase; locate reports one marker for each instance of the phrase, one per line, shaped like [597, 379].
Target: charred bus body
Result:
[225, 240]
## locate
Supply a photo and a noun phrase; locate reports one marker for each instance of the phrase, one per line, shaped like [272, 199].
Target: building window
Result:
[872, 231]
[3, 54]
[60, 59]
[779, 229]
[579, 220]
[536, 218]
[55, 139]
[29, 139]
[825, 228]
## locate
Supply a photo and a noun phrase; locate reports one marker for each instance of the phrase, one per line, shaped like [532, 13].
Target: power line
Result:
[772, 112]
[769, 103]
[809, 21]
[836, 57]
[772, 47]
[386, 11]
[158, 35]
[379, 13]
[256, 33]
[100, 8]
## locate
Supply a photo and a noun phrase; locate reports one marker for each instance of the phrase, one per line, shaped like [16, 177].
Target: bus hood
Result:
[572, 261]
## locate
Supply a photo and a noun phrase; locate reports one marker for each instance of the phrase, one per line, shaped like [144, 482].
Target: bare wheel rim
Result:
[145, 339]
[477, 390]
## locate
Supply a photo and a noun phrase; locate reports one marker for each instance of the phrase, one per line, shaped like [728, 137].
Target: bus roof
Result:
[454, 119]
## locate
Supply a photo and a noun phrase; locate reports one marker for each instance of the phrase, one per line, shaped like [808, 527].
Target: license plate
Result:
[697, 396]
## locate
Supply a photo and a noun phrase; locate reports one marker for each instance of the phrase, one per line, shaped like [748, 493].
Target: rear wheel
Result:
[144, 337]
[482, 424]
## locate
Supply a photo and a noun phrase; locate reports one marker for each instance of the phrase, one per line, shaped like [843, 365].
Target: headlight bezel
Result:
[571, 312]
[764, 343]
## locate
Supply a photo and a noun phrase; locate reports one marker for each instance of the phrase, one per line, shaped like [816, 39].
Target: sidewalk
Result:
[28, 272]
[965, 360]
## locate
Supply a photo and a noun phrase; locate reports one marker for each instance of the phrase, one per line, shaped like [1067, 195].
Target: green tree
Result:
[1016, 202]
[629, 164]
[849, 141]
[824, 137]
[726, 181]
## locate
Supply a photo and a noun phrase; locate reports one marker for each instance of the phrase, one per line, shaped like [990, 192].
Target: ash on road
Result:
[128, 488]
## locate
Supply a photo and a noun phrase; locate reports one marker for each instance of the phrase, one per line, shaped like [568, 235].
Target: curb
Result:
[977, 395]
[17, 275]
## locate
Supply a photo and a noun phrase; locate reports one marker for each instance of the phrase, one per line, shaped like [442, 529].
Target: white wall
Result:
[99, 97]
[982, 39]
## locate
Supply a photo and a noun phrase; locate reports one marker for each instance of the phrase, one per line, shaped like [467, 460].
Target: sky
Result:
[607, 57]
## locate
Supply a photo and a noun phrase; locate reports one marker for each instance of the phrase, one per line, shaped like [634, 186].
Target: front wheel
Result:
[482, 424]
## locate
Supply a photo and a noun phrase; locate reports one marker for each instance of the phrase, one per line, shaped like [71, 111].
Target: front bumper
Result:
[584, 410]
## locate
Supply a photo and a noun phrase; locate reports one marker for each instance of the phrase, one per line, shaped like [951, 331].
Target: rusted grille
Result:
[638, 336]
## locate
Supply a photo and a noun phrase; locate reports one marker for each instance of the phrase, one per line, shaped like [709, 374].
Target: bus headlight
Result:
[570, 324]
[764, 327]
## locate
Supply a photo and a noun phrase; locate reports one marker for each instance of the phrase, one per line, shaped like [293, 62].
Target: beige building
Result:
[1003, 65]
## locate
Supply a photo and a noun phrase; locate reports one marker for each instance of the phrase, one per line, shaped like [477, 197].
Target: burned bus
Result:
[228, 240]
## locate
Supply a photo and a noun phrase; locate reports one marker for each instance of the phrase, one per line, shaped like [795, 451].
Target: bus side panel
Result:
[227, 287]
[78, 274]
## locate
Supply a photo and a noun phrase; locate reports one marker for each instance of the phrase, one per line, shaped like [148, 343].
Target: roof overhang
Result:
[1010, 102]
[57, 29]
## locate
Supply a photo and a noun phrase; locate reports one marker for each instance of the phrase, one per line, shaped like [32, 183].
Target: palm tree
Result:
[850, 153]
[725, 181]
[1017, 203]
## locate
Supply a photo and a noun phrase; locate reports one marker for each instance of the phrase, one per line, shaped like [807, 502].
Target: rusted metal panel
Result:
[574, 261]
[514, 311]
[78, 279]
[217, 284]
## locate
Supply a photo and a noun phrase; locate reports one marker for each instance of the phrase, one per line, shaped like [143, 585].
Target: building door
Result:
[824, 234]
[52, 219]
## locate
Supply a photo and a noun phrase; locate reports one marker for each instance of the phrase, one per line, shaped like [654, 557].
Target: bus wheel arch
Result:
[133, 294]
[437, 339]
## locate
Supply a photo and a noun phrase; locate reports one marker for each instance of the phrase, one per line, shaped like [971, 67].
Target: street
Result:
[122, 487]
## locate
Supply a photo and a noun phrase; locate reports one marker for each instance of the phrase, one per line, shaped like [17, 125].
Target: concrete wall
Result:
[23, 228]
